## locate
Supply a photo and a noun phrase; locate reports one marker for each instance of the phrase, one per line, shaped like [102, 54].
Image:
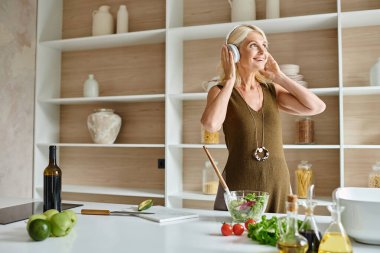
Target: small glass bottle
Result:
[305, 127]
[304, 176]
[208, 137]
[309, 227]
[52, 182]
[290, 239]
[210, 181]
[374, 176]
[335, 239]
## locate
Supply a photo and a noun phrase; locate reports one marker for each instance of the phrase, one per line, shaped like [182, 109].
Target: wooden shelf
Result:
[360, 18]
[105, 99]
[203, 95]
[280, 25]
[107, 41]
[94, 145]
[112, 191]
[364, 90]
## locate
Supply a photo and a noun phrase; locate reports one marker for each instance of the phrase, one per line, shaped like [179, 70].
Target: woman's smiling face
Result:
[253, 52]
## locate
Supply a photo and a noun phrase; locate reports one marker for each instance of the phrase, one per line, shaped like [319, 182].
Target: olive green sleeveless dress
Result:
[242, 170]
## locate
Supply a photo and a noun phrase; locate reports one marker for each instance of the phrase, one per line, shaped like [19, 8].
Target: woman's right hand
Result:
[228, 64]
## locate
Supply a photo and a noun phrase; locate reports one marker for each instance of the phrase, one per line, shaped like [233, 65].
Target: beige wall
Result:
[17, 74]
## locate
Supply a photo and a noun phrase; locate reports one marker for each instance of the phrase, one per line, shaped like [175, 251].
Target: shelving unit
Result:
[152, 77]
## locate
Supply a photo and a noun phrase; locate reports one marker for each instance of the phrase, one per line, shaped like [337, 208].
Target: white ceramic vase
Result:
[102, 21]
[104, 126]
[242, 10]
[91, 87]
[122, 20]
[272, 9]
[375, 74]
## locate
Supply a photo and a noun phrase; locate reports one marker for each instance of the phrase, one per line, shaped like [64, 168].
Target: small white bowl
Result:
[361, 217]
[290, 69]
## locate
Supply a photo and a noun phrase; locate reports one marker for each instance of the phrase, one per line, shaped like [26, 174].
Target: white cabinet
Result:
[152, 77]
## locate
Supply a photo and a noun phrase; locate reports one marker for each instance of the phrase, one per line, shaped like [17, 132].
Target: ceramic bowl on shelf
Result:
[245, 204]
[290, 69]
[360, 217]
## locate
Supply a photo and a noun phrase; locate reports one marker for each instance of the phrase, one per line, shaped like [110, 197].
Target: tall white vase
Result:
[272, 9]
[104, 126]
[122, 20]
[242, 10]
[102, 21]
[375, 74]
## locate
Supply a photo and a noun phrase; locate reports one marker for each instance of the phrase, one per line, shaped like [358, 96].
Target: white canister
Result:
[242, 10]
[104, 126]
[122, 20]
[272, 9]
[102, 21]
[91, 87]
[375, 74]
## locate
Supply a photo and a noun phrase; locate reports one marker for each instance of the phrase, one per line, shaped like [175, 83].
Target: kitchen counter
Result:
[133, 234]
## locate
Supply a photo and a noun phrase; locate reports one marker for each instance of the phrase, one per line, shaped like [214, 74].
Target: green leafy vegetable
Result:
[266, 231]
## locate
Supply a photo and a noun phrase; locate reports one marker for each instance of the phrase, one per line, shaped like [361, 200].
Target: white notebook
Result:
[166, 214]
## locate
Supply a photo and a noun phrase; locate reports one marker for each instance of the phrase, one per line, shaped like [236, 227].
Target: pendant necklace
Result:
[260, 153]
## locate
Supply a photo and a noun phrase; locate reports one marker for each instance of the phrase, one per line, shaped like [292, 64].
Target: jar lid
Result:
[376, 166]
[103, 110]
[304, 165]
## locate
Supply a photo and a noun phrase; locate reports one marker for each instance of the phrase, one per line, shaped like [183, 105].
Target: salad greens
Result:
[266, 231]
[250, 206]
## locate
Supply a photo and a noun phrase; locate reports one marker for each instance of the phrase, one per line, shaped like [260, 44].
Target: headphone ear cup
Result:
[235, 52]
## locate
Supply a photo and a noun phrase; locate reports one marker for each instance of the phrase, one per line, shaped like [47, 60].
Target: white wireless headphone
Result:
[233, 48]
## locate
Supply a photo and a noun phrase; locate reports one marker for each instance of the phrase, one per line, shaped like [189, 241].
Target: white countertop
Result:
[133, 234]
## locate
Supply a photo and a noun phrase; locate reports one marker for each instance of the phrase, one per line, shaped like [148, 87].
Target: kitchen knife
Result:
[108, 212]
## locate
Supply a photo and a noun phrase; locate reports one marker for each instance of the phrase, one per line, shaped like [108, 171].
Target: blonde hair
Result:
[236, 37]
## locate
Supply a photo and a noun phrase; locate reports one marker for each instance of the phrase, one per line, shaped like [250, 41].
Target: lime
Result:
[39, 229]
[145, 205]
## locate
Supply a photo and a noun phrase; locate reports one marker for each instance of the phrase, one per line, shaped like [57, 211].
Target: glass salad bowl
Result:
[246, 204]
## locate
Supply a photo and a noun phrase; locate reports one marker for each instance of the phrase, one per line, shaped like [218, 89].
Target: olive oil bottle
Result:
[290, 240]
[52, 182]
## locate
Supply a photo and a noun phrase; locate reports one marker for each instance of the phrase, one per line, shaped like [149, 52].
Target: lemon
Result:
[39, 229]
[145, 205]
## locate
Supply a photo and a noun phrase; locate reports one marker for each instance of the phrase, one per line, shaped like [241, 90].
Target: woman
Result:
[247, 103]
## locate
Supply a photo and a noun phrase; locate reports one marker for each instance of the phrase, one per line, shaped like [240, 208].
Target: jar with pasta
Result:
[305, 131]
[210, 180]
[374, 176]
[304, 176]
[209, 137]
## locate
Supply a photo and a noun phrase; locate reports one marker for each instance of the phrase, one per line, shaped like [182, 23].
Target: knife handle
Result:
[95, 212]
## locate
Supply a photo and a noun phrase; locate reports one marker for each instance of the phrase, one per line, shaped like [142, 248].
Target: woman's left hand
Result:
[271, 70]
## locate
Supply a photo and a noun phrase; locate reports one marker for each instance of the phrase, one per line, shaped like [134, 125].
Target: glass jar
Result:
[208, 137]
[374, 176]
[210, 181]
[304, 176]
[305, 130]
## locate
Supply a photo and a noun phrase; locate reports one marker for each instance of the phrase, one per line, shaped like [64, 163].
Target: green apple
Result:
[73, 217]
[60, 224]
[49, 213]
[35, 217]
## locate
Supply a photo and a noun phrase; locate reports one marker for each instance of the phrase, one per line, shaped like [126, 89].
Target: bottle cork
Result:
[292, 205]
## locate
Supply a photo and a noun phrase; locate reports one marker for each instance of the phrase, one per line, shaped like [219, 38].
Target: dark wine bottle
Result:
[52, 182]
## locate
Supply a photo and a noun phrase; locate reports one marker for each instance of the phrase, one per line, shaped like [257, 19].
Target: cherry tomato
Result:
[249, 221]
[238, 229]
[226, 229]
